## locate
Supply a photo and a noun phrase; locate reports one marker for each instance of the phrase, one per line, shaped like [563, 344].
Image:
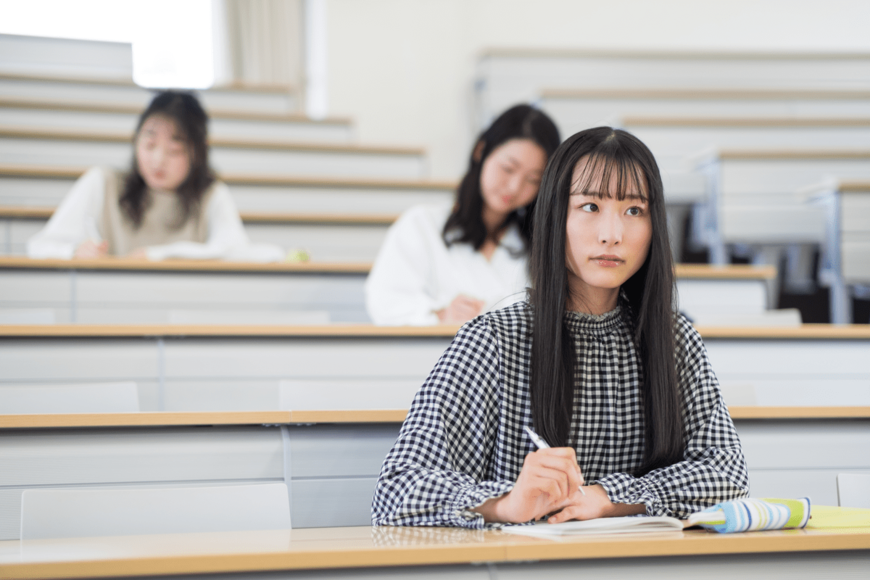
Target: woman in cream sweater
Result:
[168, 205]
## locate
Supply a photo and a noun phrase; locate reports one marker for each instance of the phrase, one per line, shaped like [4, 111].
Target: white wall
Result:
[403, 69]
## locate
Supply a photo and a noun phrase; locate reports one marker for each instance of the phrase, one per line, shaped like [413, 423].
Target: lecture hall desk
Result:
[124, 291]
[387, 552]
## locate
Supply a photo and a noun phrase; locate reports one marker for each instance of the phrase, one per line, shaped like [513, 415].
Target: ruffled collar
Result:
[596, 324]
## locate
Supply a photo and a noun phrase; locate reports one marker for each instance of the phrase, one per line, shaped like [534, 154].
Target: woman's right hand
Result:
[462, 309]
[91, 249]
[548, 481]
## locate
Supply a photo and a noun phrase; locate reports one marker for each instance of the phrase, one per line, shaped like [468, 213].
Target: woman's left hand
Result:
[595, 504]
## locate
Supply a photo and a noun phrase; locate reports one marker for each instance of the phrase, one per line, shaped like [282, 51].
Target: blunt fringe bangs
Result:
[191, 122]
[465, 223]
[648, 296]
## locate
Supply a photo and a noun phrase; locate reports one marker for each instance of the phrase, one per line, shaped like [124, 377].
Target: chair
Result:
[853, 490]
[86, 398]
[77, 513]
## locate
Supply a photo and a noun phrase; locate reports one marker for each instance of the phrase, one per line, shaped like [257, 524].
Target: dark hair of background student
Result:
[649, 294]
[191, 122]
[465, 223]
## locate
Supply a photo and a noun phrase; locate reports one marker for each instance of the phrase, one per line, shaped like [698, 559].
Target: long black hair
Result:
[465, 223]
[649, 293]
[191, 121]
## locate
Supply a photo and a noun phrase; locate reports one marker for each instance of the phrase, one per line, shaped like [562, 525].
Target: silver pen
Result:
[541, 444]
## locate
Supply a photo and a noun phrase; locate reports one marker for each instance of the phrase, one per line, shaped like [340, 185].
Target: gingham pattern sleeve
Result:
[713, 469]
[435, 471]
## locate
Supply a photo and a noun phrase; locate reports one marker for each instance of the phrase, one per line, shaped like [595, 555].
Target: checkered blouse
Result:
[463, 442]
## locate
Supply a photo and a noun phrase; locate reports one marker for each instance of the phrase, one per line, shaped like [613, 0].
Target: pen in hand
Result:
[541, 444]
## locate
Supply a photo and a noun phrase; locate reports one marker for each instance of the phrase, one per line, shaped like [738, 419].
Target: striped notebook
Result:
[742, 515]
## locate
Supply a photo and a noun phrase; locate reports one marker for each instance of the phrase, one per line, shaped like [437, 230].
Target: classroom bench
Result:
[45, 185]
[391, 552]
[58, 113]
[123, 291]
[69, 147]
[337, 453]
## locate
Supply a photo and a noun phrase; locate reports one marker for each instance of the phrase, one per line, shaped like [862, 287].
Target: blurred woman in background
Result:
[442, 265]
[168, 205]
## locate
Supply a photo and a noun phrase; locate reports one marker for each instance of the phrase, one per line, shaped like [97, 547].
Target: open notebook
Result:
[732, 516]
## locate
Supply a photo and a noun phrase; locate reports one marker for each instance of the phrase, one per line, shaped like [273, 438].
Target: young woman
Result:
[447, 265]
[168, 205]
[597, 362]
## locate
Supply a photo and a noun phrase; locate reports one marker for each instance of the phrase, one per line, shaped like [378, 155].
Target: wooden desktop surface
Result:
[382, 219]
[63, 134]
[803, 332]
[855, 186]
[127, 264]
[794, 154]
[744, 122]
[365, 547]
[704, 94]
[68, 172]
[683, 271]
[114, 108]
[239, 86]
[347, 416]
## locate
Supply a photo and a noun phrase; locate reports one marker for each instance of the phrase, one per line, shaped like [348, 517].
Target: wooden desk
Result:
[45, 185]
[122, 291]
[238, 97]
[185, 291]
[333, 218]
[17, 112]
[339, 449]
[761, 199]
[778, 171]
[67, 147]
[326, 237]
[509, 76]
[683, 271]
[42, 214]
[201, 368]
[177, 367]
[340, 415]
[854, 231]
[576, 109]
[389, 552]
[678, 137]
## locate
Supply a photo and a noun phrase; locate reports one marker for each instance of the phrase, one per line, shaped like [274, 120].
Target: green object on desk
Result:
[827, 517]
[297, 256]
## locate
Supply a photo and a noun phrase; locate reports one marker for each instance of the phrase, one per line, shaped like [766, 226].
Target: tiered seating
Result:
[25, 114]
[507, 76]
[761, 127]
[182, 291]
[576, 109]
[317, 406]
[410, 553]
[759, 196]
[69, 147]
[66, 58]
[847, 238]
[811, 365]
[334, 219]
[363, 208]
[798, 397]
[324, 237]
[84, 91]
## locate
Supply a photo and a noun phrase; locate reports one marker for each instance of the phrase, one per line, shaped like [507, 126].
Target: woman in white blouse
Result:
[442, 264]
[168, 205]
